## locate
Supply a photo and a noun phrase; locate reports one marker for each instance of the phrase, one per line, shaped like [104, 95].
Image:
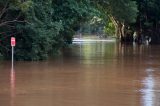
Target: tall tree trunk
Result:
[116, 31]
[123, 30]
[117, 26]
[120, 30]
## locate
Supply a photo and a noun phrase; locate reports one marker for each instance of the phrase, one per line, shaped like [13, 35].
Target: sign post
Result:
[13, 44]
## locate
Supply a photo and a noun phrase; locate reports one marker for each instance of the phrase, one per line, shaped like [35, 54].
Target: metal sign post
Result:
[13, 43]
[12, 56]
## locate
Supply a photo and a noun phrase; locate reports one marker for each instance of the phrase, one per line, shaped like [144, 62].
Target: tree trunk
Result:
[117, 27]
[123, 30]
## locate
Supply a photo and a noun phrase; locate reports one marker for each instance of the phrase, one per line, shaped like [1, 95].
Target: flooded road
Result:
[87, 74]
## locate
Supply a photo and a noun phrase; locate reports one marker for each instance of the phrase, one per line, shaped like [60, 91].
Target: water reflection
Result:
[148, 92]
[93, 52]
[12, 85]
[88, 74]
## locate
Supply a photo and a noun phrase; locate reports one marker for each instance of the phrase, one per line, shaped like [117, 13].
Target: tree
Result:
[121, 13]
[148, 20]
[42, 27]
[72, 13]
[11, 13]
[9, 6]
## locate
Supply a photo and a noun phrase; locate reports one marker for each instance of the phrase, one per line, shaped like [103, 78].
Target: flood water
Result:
[86, 74]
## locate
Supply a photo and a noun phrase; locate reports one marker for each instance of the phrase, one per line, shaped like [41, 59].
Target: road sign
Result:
[13, 41]
[13, 44]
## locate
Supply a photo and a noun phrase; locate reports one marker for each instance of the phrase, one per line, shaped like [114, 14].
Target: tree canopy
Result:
[43, 27]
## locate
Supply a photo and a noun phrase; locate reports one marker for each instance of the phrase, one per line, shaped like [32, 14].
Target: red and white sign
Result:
[13, 41]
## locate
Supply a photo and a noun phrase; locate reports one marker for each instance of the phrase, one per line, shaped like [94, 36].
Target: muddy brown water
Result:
[87, 74]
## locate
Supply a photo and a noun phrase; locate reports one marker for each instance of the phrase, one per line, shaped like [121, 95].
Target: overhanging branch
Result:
[7, 22]
[4, 9]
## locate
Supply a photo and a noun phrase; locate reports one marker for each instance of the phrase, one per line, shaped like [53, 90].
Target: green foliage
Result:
[40, 34]
[109, 29]
[124, 10]
[148, 19]
[121, 10]
[41, 27]
[94, 26]
[72, 14]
